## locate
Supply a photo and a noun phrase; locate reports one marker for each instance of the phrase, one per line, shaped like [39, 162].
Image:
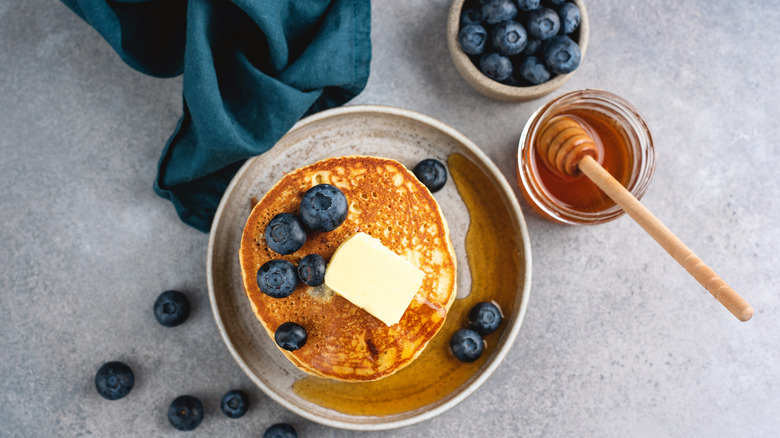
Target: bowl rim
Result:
[497, 90]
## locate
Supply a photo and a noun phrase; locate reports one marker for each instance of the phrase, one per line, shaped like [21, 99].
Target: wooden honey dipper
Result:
[567, 148]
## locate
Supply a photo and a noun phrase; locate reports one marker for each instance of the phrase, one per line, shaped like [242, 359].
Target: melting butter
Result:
[373, 277]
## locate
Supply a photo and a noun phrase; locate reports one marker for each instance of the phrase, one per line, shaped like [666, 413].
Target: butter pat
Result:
[373, 277]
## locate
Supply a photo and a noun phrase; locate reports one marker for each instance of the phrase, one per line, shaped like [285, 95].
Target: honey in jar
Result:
[625, 150]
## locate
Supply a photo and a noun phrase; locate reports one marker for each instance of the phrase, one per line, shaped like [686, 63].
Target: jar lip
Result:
[617, 108]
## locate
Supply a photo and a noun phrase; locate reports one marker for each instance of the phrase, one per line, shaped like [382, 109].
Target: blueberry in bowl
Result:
[509, 38]
[543, 24]
[496, 66]
[570, 17]
[528, 5]
[496, 11]
[533, 70]
[473, 38]
[515, 79]
[562, 55]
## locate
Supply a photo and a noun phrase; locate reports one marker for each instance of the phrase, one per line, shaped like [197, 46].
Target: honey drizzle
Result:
[496, 270]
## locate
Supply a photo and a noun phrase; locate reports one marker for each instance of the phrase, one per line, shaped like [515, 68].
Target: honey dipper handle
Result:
[673, 245]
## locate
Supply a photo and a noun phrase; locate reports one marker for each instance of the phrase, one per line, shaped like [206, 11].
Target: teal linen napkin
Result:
[251, 70]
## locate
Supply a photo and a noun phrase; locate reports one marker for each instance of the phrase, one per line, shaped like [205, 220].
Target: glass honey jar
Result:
[625, 147]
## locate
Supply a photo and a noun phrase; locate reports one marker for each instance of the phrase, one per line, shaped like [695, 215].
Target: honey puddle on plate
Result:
[494, 258]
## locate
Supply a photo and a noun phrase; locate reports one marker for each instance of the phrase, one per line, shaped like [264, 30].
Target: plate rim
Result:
[507, 193]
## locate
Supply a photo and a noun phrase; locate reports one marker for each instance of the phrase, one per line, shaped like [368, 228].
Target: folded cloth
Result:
[251, 70]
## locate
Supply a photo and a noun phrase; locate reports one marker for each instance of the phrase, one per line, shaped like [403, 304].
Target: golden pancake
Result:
[387, 202]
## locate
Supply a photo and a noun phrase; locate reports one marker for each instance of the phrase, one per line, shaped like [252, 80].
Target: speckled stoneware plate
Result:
[408, 137]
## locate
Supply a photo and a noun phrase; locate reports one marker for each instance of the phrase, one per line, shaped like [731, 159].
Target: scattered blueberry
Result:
[470, 16]
[114, 380]
[171, 308]
[431, 173]
[484, 318]
[532, 47]
[466, 345]
[509, 38]
[495, 66]
[542, 24]
[280, 430]
[277, 278]
[235, 403]
[533, 70]
[562, 55]
[323, 208]
[285, 234]
[185, 412]
[311, 270]
[472, 39]
[290, 336]
[570, 17]
[496, 11]
[528, 5]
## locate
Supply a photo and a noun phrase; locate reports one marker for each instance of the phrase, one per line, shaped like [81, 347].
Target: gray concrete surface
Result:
[618, 340]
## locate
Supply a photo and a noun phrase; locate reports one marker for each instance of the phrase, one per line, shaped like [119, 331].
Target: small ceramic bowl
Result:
[497, 90]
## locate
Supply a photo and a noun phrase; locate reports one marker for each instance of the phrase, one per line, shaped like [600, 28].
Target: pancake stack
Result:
[387, 202]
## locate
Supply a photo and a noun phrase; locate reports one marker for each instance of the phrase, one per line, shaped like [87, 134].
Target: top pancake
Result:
[387, 202]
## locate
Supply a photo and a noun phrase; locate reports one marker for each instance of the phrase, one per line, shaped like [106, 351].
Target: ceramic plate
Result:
[381, 131]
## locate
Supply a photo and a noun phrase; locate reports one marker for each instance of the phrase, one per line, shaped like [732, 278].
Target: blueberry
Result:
[553, 3]
[532, 47]
[484, 318]
[528, 5]
[509, 38]
[277, 278]
[280, 430]
[569, 14]
[114, 380]
[323, 208]
[311, 270]
[235, 403]
[472, 39]
[290, 336]
[466, 345]
[496, 66]
[171, 308]
[514, 80]
[542, 24]
[185, 412]
[431, 173]
[496, 11]
[562, 55]
[533, 70]
[470, 16]
[285, 234]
